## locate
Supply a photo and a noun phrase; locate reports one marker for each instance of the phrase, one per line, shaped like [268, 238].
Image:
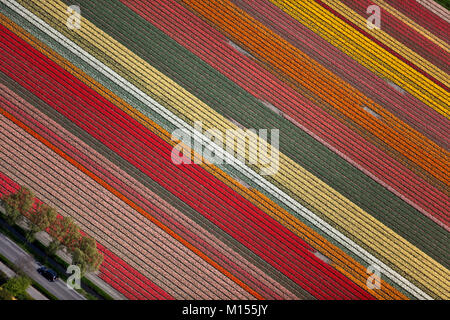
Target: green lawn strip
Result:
[97, 289]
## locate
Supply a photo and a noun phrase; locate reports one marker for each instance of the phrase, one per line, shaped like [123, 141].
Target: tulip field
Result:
[88, 111]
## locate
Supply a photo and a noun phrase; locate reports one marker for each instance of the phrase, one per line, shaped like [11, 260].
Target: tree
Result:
[17, 285]
[17, 204]
[26, 200]
[89, 247]
[3, 277]
[41, 218]
[72, 235]
[79, 259]
[12, 212]
[65, 233]
[5, 294]
[86, 256]
[57, 233]
[29, 236]
[53, 247]
[87, 243]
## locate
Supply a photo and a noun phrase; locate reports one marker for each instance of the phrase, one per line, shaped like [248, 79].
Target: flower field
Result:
[86, 117]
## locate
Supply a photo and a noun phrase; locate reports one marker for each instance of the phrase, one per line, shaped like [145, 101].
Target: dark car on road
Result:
[48, 274]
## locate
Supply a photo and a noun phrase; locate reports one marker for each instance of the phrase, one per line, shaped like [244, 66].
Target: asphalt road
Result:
[26, 262]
